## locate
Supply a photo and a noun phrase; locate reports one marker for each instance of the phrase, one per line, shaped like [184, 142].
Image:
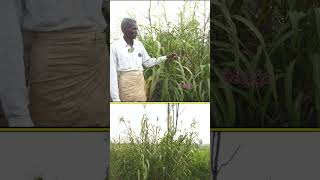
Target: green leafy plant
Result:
[266, 63]
[188, 78]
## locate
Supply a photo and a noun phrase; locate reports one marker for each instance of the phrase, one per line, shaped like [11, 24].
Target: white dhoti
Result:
[132, 86]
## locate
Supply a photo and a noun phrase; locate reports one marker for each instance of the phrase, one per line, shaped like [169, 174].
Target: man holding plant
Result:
[127, 59]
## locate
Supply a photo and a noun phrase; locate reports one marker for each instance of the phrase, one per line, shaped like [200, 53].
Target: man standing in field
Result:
[127, 58]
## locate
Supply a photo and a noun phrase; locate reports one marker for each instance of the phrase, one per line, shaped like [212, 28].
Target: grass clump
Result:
[175, 155]
[188, 78]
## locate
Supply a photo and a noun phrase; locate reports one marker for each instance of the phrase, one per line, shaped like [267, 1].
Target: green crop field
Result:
[188, 78]
[266, 70]
[153, 154]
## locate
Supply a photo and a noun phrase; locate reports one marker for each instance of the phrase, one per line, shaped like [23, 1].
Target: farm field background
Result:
[170, 146]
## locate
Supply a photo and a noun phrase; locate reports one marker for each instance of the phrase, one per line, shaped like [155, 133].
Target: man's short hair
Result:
[125, 22]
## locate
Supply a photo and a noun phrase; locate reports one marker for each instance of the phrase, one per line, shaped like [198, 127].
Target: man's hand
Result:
[172, 56]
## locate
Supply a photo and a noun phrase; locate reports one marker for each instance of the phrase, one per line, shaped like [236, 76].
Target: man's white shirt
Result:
[122, 58]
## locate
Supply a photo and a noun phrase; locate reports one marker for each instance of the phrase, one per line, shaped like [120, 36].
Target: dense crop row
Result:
[266, 69]
[188, 78]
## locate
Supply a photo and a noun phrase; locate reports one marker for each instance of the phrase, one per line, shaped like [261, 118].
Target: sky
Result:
[277, 156]
[134, 113]
[139, 11]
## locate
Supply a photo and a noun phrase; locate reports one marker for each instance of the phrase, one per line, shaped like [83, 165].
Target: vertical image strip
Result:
[160, 51]
[266, 67]
[65, 79]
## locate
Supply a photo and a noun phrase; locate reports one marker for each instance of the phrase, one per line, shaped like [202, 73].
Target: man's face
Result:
[131, 30]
